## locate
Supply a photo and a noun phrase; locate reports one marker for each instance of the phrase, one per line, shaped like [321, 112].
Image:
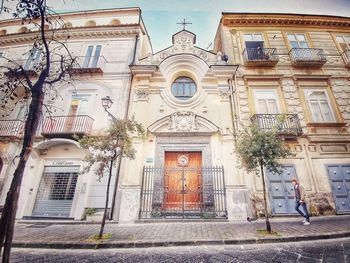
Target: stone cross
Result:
[184, 24]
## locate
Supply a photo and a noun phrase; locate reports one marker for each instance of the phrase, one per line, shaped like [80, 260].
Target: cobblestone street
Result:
[335, 250]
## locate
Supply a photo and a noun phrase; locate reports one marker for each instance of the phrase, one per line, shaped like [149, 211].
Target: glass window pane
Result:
[316, 112]
[93, 64]
[261, 107]
[258, 37]
[248, 37]
[326, 111]
[347, 39]
[314, 95]
[272, 106]
[300, 37]
[87, 57]
[183, 88]
[291, 37]
[303, 45]
[294, 44]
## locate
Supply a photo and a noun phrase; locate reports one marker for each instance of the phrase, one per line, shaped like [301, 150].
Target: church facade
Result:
[192, 102]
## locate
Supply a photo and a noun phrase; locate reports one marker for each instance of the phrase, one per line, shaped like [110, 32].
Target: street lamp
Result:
[107, 104]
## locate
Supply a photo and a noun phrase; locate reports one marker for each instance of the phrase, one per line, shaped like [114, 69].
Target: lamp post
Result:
[107, 104]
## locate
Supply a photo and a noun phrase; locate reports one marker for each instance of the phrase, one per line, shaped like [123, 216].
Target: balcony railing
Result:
[346, 57]
[11, 128]
[67, 126]
[260, 57]
[86, 64]
[307, 57]
[284, 124]
[29, 67]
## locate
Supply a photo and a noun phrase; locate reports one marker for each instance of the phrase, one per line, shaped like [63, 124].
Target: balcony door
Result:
[254, 44]
[91, 57]
[78, 107]
[32, 59]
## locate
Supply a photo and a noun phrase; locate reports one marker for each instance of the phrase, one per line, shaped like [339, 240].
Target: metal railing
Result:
[260, 56]
[183, 192]
[307, 56]
[284, 124]
[11, 128]
[346, 57]
[67, 125]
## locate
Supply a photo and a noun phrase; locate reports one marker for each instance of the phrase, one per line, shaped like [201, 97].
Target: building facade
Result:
[267, 69]
[295, 68]
[104, 43]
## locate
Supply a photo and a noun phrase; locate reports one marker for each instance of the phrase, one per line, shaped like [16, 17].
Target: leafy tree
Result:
[104, 152]
[49, 63]
[258, 149]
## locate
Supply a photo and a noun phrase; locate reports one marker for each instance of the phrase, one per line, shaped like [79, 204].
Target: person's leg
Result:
[297, 204]
[306, 212]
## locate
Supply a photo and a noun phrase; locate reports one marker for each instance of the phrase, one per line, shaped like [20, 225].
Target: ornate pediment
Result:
[183, 122]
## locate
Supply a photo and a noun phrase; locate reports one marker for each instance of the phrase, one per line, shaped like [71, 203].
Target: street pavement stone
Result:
[77, 235]
[321, 251]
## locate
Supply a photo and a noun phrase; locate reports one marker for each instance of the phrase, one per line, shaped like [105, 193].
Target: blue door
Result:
[339, 176]
[281, 190]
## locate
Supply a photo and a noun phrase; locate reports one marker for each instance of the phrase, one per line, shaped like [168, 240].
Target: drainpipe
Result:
[125, 117]
[233, 108]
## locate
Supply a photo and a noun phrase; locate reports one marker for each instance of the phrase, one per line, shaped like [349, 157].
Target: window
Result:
[266, 102]
[297, 41]
[183, 88]
[319, 106]
[344, 42]
[254, 44]
[32, 59]
[92, 56]
[79, 104]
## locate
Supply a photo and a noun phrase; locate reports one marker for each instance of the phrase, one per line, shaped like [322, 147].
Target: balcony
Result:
[11, 128]
[307, 57]
[260, 57]
[12, 68]
[346, 57]
[88, 65]
[67, 126]
[285, 124]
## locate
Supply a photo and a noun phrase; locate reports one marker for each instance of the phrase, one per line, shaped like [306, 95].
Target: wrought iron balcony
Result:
[90, 65]
[260, 57]
[285, 124]
[67, 126]
[307, 57]
[11, 128]
[346, 57]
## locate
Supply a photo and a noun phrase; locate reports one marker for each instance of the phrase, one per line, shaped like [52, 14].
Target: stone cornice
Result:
[75, 33]
[284, 20]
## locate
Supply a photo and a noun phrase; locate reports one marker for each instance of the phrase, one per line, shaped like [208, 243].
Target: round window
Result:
[183, 88]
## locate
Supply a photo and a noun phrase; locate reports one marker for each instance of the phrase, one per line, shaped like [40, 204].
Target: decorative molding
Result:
[183, 121]
[142, 93]
[231, 19]
[224, 94]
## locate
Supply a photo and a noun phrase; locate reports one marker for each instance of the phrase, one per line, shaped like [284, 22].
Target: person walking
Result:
[299, 197]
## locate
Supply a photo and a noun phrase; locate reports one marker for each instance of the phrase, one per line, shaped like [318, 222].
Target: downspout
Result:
[233, 108]
[125, 118]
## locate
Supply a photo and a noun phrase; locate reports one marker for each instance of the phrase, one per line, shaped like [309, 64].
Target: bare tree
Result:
[49, 63]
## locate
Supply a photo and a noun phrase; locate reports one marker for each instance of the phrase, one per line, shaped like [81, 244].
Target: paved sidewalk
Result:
[53, 235]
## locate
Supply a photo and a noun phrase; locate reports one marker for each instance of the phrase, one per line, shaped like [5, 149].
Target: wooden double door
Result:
[183, 181]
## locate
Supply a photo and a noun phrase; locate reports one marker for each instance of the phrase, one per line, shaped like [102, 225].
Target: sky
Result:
[161, 16]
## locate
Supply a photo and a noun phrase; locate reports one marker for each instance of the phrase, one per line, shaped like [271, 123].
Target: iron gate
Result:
[339, 176]
[56, 191]
[183, 192]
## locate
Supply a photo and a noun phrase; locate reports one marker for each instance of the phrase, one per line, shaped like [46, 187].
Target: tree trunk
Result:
[107, 200]
[7, 220]
[268, 226]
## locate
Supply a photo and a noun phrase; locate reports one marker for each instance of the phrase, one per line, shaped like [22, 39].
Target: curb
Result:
[146, 244]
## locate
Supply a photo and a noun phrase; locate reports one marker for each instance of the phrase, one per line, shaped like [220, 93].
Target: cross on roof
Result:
[184, 24]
